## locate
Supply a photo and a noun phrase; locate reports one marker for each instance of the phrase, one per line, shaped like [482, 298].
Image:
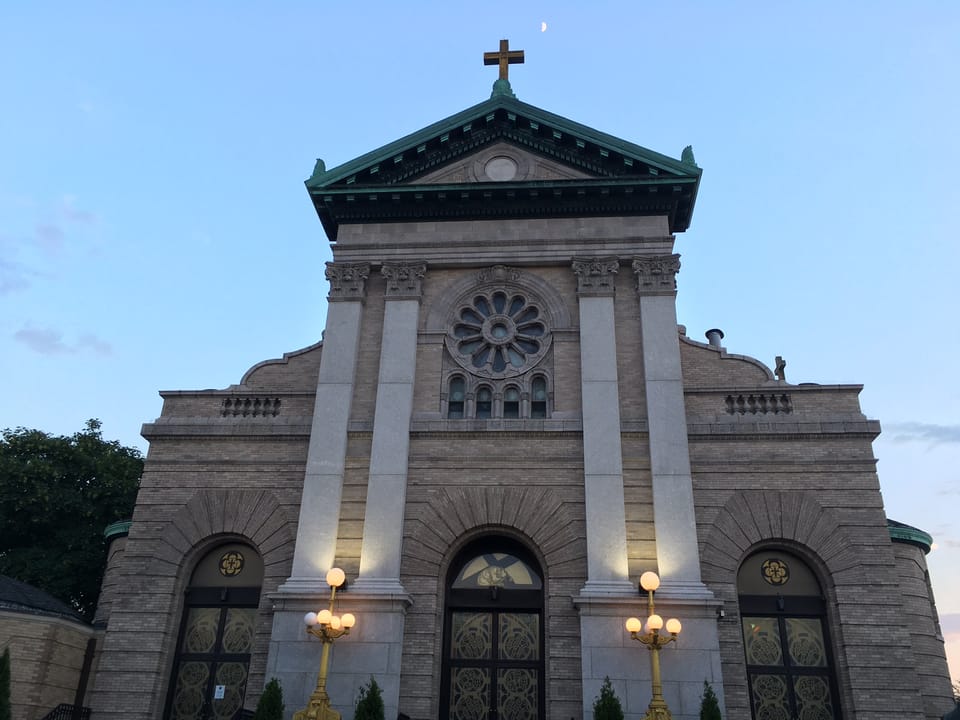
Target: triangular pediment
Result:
[502, 162]
[504, 158]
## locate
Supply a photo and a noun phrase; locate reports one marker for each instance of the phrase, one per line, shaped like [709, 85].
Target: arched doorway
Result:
[786, 639]
[209, 677]
[493, 634]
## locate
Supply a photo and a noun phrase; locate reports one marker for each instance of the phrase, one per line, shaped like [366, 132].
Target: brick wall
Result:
[46, 660]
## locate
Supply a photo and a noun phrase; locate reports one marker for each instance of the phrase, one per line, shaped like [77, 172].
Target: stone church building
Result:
[501, 429]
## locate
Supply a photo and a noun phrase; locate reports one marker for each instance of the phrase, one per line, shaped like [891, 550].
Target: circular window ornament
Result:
[231, 563]
[775, 571]
[498, 334]
[501, 168]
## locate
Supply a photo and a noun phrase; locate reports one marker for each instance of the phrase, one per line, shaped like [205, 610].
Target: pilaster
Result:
[678, 560]
[387, 485]
[602, 456]
[323, 482]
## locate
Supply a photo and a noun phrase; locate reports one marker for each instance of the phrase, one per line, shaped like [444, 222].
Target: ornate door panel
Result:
[493, 652]
[210, 679]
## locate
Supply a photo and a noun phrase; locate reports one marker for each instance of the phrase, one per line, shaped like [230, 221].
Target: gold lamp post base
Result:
[657, 711]
[317, 709]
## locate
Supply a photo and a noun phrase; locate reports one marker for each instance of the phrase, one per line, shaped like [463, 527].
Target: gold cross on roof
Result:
[504, 58]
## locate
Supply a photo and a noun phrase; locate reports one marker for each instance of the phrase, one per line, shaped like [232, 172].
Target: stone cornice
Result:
[348, 281]
[657, 274]
[596, 276]
[404, 279]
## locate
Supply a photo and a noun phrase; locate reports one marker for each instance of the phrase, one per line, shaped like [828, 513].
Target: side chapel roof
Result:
[17, 596]
[621, 178]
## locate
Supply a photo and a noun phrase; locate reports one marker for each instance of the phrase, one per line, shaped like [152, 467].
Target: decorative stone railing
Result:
[758, 404]
[250, 406]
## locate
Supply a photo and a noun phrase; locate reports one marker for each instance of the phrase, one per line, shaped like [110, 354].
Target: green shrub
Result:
[607, 706]
[5, 711]
[370, 702]
[709, 707]
[270, 706]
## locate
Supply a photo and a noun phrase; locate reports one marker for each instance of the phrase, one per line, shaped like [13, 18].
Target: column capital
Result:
[404, 279]
[595, 276]
[348, 281]
[656, 274]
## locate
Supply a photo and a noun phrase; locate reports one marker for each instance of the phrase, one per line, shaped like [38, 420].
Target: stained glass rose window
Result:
[498, 334]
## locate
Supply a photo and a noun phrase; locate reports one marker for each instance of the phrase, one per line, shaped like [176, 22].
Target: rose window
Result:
[498, 334]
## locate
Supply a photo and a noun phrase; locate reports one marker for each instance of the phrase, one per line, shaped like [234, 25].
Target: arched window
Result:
[493, 634]
[538, 397]
[455, 398]
[785, 639]
[216, 636]
[511, 403]
[484, 403]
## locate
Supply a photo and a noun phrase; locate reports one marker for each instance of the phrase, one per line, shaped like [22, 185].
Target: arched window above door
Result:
[215, 642]
[493, 634]
[786, 639]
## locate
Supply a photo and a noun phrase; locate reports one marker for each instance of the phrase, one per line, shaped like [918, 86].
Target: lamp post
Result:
[649, 581]
[327, 627]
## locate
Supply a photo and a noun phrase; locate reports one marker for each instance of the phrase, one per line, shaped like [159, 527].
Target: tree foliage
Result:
[57, 494]
[709, 705]
[370, 702]
[270, 706]
[607, 706]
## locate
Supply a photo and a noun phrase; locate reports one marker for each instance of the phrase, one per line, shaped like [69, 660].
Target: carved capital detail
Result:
[499, 273]
[657, 274]
[596, 276]
[348, 281]
[404, 280]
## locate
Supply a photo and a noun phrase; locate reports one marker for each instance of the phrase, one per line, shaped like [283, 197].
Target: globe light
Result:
[673, 626]
[649, 581]
[335, 577]
[634, 625]
[324, 617]
[654, 622]
[335, 622]
[348, 620]
[310, 619]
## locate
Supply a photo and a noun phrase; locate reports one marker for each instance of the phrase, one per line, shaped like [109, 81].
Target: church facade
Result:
[501, 430]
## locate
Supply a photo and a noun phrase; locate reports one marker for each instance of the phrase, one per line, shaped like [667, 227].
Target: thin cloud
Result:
[925, 432]
[70, 211]
[49, 238]
[47, 341]
[95, 344]
[13, 277]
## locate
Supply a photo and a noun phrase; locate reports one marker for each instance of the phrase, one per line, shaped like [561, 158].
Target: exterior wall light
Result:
[654, 640]
[327, 627]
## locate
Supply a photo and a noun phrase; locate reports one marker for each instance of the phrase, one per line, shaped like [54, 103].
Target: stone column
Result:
[293, 656]
[323, 482]
[678, 557]
[602, 457]
[387, 486]
[377, 597]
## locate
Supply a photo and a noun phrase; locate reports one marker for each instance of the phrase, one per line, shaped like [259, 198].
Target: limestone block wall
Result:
[210, 476]
[817, 495]
[46, 660]
[926, 638]
[528, 485]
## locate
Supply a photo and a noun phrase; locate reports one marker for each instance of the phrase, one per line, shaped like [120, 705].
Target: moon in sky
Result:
[543, 27]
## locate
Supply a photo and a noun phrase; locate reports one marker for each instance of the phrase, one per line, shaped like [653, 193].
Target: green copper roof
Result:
[624, 178]
[903, 533]
[117, 529]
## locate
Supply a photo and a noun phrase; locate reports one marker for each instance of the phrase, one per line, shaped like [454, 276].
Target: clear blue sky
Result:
[155, 232]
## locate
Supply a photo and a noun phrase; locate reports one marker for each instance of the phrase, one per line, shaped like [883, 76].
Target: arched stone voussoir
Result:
[750, 512]
[485, 512]
[213, 512]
